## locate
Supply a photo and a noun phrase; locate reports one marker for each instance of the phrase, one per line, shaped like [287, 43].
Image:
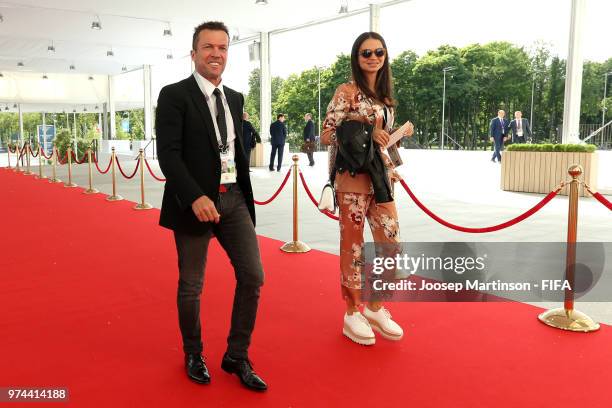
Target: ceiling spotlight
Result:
[6, 107]
[84, 108]
[124, 68]
[261, 2]
[110, 53]
[74, 111]
[20, 64]
[1, 75]
[45, 76]
[51, 48]
[15, 105]
[168, 31]
[235, 37]
[343, 9]
[71, 67]
[1, 18]
[97, 107]
[96, 24]
[90, 78]
[169, 56]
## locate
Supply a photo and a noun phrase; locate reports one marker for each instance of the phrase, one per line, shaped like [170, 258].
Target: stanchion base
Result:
[145, 206]
[70, 185]
[114, 198]
[28, 173]
[55, 180]
[40, 177]
[295, 247]
[91, 191]
[572, 320]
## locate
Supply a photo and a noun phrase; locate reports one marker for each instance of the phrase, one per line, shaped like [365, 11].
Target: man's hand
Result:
[380, 137]
[491, 139]
[205, 210]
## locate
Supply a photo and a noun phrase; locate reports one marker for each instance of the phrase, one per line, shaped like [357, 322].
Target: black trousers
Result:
[236, 234]
[280, 148]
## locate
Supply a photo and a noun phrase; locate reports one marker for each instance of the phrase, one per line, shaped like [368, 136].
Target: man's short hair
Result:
[208, 25]
[501, 110]
[518, 112]
[280, 115]
[309, 115]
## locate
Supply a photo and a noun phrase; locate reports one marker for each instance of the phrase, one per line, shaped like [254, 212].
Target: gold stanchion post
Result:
[567, 318]
[18, 150]
[143, 205]
[26, 146]
[8, 154]
[40, 164]
[54, 156]
[114, 196]
[90, 190]
[296, 246]
[69, 183]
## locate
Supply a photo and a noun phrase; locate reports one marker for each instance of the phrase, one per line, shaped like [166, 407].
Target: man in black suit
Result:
[278, 133]
[309, 138]
[521, 131]
[250, 137]
[208, 192]
[498, 128]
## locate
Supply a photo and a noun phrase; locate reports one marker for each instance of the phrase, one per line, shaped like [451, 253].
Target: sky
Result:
[421, 25]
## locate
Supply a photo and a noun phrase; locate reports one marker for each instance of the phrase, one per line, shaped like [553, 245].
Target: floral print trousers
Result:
[355, 208]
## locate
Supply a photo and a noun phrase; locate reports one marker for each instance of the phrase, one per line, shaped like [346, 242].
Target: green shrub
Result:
[547, 147]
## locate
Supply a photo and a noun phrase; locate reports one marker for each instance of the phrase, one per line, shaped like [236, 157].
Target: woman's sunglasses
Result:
[367, 53]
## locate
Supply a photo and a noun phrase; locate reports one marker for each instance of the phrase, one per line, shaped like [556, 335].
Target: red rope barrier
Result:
[76, 161]
[121, 170]
[603, 200]
[314, 201]
[268, 201]
[151, 172]
[498, 227]
[59, 159]
[110, 161]
[32, 152]
[43, 154]
[14, 150]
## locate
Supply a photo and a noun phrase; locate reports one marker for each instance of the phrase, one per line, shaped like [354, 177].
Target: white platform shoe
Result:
[357, 328]
[381, 322]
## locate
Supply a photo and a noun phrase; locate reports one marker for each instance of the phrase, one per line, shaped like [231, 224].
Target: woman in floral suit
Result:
[366, 98]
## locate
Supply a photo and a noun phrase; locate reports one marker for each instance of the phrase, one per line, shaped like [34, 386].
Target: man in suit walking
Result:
[497, 134]
[208, 192]
[250, 137]
[278, 133]
[309, 138]
[521, 131]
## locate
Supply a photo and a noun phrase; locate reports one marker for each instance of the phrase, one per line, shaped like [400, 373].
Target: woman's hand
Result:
[380, 137]
[409, 130]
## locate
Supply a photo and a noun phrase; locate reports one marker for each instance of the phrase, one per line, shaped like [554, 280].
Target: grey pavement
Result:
[461, 187]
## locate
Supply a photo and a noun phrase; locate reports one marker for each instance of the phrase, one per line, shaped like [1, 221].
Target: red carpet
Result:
[87, 300]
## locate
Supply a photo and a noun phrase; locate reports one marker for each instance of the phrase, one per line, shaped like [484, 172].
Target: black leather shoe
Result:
[196, 368]
[244, 370]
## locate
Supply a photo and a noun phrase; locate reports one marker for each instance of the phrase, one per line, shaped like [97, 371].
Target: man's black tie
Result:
[221, 119]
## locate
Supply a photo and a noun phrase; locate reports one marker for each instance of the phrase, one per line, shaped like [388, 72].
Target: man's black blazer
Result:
[188, 153]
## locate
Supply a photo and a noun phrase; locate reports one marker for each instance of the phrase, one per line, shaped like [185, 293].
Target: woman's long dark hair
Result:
[384, 80]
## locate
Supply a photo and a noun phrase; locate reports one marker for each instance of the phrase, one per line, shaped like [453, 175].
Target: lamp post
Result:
[532, 96]
[319, 68]
[444, 70]
[603, 106]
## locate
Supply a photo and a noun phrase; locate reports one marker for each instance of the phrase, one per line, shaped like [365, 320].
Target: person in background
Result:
[498, 129]
[309, 138]
[278, 135]
[521, 131]
[250, 137]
